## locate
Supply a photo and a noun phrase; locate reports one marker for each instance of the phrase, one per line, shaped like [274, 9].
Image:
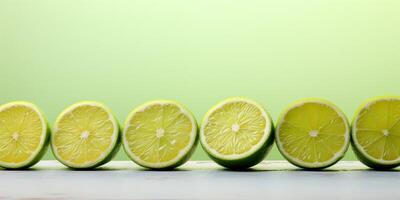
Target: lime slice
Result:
[23, 135]
[376, 133]
[160, 135]
[86, 135]
[237, 133]
[313, 134]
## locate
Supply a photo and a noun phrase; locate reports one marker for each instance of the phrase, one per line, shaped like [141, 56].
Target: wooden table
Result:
[200, 180]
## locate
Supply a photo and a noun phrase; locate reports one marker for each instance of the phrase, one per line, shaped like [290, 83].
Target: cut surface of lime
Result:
[160, 134]
[23, 135]
[313, 134]
[237, 133]
[85, 135]
[376, 132]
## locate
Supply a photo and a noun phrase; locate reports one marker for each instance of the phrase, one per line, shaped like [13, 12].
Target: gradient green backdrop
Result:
[126, 52]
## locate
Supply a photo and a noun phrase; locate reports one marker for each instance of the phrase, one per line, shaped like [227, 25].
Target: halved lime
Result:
[160, 135]
[376, 133]
[312, 133]
[23, 135]
[237, 133]
[86, 135]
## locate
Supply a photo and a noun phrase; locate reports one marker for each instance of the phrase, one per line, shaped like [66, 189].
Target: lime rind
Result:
[37, 155]
[184, 154]
[316, 165]
[107, 155]
[359, 151]
[253, 156]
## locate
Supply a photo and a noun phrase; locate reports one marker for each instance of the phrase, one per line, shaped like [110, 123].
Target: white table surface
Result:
[200, 180]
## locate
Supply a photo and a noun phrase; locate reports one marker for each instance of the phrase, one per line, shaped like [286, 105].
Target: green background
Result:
[126, 52]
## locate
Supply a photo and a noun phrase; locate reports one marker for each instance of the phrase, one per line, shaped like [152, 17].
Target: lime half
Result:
[160, 135]
[376, 133]
[23, 135]
[237, 133]
[86, 135]
[312, 133]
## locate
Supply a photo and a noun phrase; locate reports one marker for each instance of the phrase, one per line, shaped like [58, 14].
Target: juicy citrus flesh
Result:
[21, 132]
[83, 135]
[312, 133]
[377, 129]
[235, 128]
[158, 133]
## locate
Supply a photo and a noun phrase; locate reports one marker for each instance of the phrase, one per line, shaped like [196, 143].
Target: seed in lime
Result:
[160, 135]
[237, 133]
[312, 133]
[86, 135]
[23, 135]
[376, 133]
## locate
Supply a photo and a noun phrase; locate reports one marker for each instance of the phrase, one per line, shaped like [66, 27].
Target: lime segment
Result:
[237, 133]
[313, 134]
[376, 133]
[23, 135]
[85, 135]
[160, 134]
